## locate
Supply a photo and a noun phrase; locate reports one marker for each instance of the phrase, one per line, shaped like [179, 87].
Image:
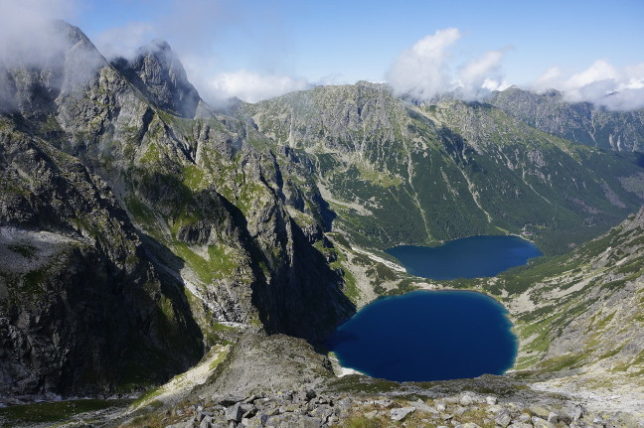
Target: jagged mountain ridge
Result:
[157, 72]
[398, 173]
[209, 209]
[581, 122]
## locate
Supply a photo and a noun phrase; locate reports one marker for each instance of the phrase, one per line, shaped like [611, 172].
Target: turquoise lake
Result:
[427, 335]
[474, 257]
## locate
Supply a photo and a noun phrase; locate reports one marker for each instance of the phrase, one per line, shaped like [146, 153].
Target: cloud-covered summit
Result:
[601, 84]
[426, 70]
[54, 57]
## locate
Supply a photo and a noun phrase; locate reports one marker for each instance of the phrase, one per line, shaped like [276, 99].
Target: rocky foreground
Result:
[279, 381]
[422, 407]
[356, 401]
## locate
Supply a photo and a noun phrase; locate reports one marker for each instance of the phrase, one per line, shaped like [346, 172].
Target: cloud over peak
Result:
[601, 83]
[29, 33]
[250, 86]
[421, 71]
[199, 31]
[425, 70]
[125, 41]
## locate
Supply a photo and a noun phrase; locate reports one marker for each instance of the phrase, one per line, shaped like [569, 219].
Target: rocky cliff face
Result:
[583, 123]
[81, 306]
[159, 75]
[140, 231]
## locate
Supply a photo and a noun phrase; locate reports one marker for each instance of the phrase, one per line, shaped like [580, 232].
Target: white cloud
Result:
[634, 77]
[26, 30]
[421, 71]
[548, 80]
[495, 85]
[425, 70]
[250, 86]
[599, 71]
[124, 41]
[32, 35]
[477, 75]
[601, 83]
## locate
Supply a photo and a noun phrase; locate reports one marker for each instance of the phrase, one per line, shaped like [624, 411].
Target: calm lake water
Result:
[427, 335]
[473, 257]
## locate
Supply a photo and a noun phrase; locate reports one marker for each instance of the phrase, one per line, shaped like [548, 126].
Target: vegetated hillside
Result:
[581, 315]
[398, 173]
[188, 227]
[582, 122]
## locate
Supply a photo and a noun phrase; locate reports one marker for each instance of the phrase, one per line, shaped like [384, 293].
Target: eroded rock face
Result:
[581, 122]
[81, 307]
[259, 362]
[157, 72]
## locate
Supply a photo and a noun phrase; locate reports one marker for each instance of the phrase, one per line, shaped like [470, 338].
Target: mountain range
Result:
[144, 233]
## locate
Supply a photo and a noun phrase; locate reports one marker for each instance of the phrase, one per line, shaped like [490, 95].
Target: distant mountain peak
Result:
[158, 45]
[582, 121]
[71, 32]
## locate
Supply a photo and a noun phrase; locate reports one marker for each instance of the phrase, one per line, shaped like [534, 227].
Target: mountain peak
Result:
[35, 69]
[157, 72]
[155, 46]
[71, 33]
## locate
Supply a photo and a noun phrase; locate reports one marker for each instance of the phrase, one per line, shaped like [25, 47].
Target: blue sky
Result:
[255, 49]
[360, 39]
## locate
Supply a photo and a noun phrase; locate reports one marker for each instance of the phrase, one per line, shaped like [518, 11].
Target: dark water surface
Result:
[473, 257]
[427, 335]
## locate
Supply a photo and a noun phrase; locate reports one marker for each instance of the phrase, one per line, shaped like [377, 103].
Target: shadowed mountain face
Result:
[138, 227]
[131, 232]
[81, 306]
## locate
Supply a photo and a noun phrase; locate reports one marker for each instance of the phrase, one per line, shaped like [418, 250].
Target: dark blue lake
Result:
[473, 257]
[427, 335]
